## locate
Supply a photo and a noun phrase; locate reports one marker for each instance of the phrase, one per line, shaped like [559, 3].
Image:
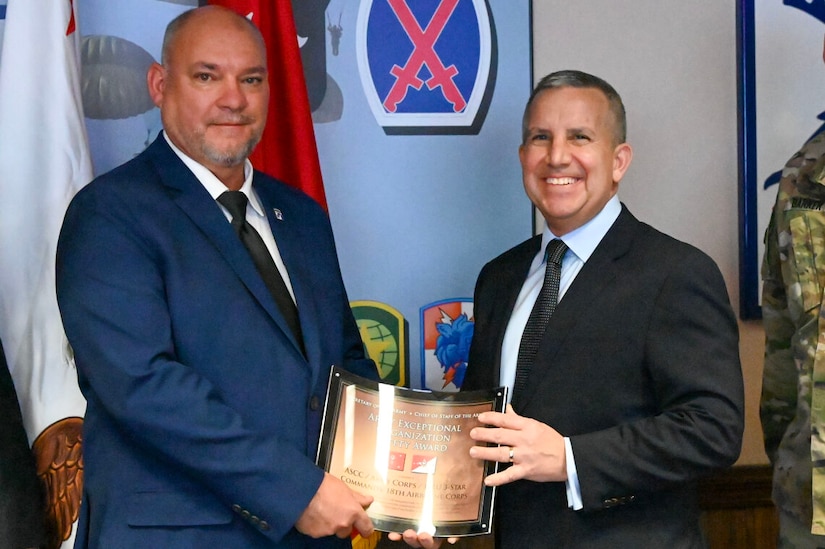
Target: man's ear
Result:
[622, 156]
[156, 81]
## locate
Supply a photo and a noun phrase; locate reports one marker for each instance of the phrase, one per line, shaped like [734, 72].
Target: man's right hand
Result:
[335, 509]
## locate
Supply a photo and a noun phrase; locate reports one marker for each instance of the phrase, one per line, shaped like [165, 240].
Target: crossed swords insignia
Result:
[424, 54]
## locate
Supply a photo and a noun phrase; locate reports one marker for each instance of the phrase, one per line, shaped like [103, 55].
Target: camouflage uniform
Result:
[793, 389]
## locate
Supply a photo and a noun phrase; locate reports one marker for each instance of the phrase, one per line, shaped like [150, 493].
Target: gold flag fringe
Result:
[366, 543]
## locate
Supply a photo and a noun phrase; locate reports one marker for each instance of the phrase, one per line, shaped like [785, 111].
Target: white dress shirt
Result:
[255, 214]
[580, 243]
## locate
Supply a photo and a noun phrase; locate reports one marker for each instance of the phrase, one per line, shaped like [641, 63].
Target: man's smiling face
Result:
[571, 164]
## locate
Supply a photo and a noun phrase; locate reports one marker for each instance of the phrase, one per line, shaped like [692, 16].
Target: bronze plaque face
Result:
[410, 449]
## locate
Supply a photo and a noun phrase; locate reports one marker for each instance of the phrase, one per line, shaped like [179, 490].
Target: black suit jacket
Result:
[22, 513]
[639, 366]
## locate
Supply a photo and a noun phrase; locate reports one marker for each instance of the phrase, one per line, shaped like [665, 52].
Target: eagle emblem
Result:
[58, 452]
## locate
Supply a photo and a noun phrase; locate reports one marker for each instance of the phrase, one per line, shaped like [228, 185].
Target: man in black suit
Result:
[22, 513]
[634, 387]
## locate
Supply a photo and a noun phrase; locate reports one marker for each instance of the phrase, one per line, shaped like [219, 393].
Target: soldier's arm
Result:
[779, 383]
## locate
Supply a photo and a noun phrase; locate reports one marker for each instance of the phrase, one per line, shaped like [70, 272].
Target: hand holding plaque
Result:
[409, 450]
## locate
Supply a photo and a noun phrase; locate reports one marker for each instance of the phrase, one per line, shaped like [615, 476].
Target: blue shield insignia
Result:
[426, 65]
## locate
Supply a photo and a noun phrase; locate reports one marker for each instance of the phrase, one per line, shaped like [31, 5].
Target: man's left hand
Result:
[537, 449]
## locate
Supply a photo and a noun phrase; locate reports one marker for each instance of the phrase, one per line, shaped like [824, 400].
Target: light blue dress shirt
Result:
[581, 243]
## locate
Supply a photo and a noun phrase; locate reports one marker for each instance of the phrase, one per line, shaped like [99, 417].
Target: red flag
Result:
[287, 149]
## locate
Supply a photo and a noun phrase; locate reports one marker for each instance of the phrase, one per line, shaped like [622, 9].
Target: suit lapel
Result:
[194, 200]
[581, 298]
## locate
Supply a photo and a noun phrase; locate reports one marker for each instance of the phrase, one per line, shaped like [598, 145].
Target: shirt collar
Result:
[211, 183]
[583, 241]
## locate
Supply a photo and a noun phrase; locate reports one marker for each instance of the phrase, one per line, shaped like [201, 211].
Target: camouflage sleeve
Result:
[779, 381]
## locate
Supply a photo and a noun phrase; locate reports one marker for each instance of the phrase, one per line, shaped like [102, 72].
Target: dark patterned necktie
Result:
[542, 311]
[235, 202]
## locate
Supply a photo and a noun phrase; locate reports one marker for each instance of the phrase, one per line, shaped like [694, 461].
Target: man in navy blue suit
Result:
[204, 403]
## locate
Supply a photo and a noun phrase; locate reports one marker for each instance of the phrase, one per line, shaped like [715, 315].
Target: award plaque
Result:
[409, 450]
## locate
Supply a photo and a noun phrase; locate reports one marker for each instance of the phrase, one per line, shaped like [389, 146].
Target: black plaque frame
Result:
[428, 415]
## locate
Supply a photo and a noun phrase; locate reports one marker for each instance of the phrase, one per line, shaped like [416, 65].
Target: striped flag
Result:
[287, 149]
[44, 160]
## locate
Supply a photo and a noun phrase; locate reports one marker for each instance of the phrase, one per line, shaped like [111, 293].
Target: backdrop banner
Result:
[417, 111]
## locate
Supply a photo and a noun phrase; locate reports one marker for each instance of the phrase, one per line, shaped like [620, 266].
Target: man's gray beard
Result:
[228, 159]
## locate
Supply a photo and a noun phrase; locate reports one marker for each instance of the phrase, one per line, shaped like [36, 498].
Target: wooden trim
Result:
[739, 487]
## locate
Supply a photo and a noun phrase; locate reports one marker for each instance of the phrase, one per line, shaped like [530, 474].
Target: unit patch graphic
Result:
[384, 333]
[446, 333]
[426, 65]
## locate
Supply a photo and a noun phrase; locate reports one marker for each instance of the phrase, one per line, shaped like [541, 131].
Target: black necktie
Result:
[540, 315]
[235, 202]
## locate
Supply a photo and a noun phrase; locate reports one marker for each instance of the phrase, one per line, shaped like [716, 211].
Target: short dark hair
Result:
[579, 79]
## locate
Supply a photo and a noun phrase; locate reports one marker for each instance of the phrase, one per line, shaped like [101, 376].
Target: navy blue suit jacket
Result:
[639, 366]
[203, 414]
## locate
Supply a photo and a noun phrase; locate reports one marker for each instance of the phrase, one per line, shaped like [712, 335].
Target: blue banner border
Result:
[749, 308]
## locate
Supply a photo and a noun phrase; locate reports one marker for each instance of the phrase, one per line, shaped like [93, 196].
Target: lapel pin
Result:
[278, 215]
